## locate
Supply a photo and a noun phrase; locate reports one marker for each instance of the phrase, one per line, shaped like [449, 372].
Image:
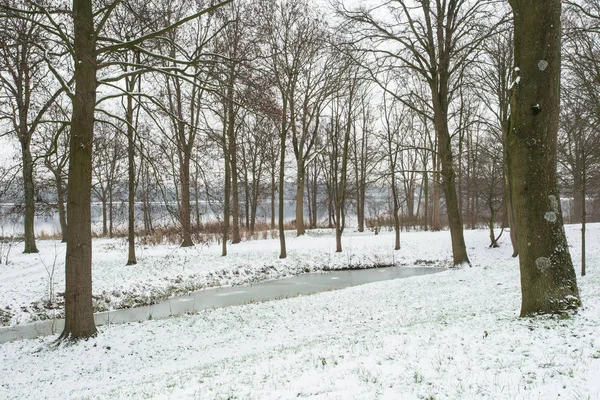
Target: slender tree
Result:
[27, 91]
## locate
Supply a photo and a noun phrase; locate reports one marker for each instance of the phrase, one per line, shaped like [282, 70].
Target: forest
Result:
[151, 149]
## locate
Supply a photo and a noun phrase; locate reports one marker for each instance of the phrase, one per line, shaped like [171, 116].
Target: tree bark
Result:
[29, 188]
[300, 229]
[436, 223]
[226, 197]
[510, 209]
[62, 214]
[548, 280]
[235, 201]
[131, 259]
[283, 136]
[583, 215]
[184, 207]
[79, 313]
[459, 249]
[273, 189]
[396, 209]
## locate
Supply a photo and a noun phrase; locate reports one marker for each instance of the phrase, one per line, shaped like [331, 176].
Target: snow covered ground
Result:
[416, 338]
[165, 270]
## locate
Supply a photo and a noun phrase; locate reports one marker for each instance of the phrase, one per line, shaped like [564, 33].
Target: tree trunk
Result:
[459, 249]
[313, 222]
[248, 201]
[184, 207]
[548, 280]
[361, 179]
[104, 213]
[131, 259]
[110, 210]
[309, 192]
[29, 188]
[436, 223]
[510, 209]
[583, 215]
[300, 229]
[425, 199]
[235, 201]
[273, 189]
[396, 216]
[283, 136]
[79, 313]
[62, 215]
[226, 198]
[576, 216]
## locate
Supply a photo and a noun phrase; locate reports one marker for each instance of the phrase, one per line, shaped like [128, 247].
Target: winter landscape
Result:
[277, 199]
[454, 334]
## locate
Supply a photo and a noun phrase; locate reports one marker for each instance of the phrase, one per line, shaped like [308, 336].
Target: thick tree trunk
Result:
[29, 188]
[300, 229]
[79, 313]
[459, 249]
[548, 281]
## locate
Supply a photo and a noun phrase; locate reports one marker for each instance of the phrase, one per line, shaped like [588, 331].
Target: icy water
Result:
[304, 284]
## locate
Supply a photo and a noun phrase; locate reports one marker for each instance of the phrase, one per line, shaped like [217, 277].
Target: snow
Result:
[515, 82]
[450, 335]
[165, 270]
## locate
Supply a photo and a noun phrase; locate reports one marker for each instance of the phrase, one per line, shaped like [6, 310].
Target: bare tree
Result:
[86, 49]
[393, 125]
[494, 90]
[27, 91]
[435, 40]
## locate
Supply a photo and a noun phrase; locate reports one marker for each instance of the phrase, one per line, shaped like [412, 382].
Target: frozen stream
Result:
[304, 284]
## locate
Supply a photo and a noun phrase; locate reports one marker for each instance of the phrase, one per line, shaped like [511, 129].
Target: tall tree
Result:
[494, 90]
[86, 48]
[436, 40]
[548, 281]
[28, 93]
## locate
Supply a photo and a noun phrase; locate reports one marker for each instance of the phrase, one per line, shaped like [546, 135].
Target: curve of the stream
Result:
[304, 284]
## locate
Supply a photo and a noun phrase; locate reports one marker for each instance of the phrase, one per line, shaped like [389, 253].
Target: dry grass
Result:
[206, 233]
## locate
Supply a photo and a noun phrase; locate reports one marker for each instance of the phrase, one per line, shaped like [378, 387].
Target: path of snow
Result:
[416, 338]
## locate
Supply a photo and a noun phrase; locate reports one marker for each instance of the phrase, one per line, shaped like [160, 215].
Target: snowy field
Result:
[165, 270]
[416, 338]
